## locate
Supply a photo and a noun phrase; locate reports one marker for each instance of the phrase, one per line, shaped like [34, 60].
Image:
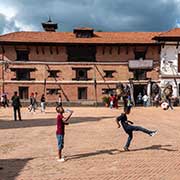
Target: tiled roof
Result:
[69, 37]
[171, 33]
[83, 28]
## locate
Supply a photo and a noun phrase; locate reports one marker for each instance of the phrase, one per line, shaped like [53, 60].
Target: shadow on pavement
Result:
[155, 147]
[45, 122]
[99, 152]
[10, 168]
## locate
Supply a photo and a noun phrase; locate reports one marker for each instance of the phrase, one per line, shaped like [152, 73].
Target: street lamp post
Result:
[95, 86]
[3, 69]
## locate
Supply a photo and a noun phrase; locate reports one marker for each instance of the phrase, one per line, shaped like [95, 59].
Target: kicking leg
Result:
[144, 130]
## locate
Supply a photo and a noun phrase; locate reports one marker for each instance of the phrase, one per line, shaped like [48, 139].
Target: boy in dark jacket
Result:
[128, 128]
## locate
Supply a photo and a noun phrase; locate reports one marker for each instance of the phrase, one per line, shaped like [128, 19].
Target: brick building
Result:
[83, 65]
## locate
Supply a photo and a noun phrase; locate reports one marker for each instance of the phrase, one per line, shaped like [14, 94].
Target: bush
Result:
[106, 100]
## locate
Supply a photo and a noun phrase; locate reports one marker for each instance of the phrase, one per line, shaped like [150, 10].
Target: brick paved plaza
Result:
[93, 146]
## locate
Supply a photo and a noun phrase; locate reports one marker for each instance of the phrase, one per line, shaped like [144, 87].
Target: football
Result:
[165, 106]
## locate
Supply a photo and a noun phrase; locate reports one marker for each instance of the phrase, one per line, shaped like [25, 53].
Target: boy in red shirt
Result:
[61, 122]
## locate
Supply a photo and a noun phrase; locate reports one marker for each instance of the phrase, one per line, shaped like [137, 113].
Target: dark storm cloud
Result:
[105, 15]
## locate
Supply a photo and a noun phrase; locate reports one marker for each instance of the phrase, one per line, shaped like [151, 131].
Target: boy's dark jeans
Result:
[169, 102]
[19, 113]
[129, 131]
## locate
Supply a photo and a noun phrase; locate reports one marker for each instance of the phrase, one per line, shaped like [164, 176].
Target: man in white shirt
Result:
[145, 100]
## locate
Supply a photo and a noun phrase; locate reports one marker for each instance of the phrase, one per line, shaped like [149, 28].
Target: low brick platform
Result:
[93, 146]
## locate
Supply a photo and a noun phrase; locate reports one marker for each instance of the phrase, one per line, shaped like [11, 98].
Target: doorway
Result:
[82, 93]
[139, 90]
[23, 92]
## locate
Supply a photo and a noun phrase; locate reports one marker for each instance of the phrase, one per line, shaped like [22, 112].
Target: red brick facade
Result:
[47, 57]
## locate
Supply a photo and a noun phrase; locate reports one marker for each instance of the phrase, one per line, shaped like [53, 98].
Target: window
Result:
[139, 74]
[81, 74]
[82, 93]
[108, 73]
[83, 35]
[140, 55]
[81, 53]
[53, 73]
[23, 92]
[22, 55]
[23, 74]
[53, 91]
[108, 91]
[83, 32]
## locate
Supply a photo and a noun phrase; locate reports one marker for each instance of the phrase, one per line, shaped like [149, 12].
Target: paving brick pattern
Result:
[93, 146]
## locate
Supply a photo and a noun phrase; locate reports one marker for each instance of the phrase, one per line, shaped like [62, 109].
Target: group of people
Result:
[34, 104]
[142, 99]
[16, 103]
[113, 101]
[157, 101]
[62, 120]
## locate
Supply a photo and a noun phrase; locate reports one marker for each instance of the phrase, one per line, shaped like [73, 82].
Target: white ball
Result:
[165, 105]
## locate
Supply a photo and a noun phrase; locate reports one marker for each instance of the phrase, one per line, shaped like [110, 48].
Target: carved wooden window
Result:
[81, 74]
[140, 55]
[81, 53]
[53, 91]
[109, 73]
[53, 73]
[139, 74]
[108, 91]
[23, 74]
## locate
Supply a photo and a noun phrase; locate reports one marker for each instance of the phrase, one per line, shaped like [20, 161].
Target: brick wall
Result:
[119, 57]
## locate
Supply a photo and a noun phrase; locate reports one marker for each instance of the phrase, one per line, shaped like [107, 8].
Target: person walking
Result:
[139, 98]
[16, 106]
[32, 103]
[3, 100]
[145, 100]
[35, 99]
[129, 129]
[116, 101]
[43, 103]
[6, 101]
[111, 101]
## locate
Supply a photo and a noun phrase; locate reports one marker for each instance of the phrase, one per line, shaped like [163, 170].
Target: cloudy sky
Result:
[105, 15]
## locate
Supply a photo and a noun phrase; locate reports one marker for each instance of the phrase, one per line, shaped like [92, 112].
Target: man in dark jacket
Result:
[16, 106]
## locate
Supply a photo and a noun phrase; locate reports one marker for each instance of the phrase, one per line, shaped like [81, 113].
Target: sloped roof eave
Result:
[66, 43]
